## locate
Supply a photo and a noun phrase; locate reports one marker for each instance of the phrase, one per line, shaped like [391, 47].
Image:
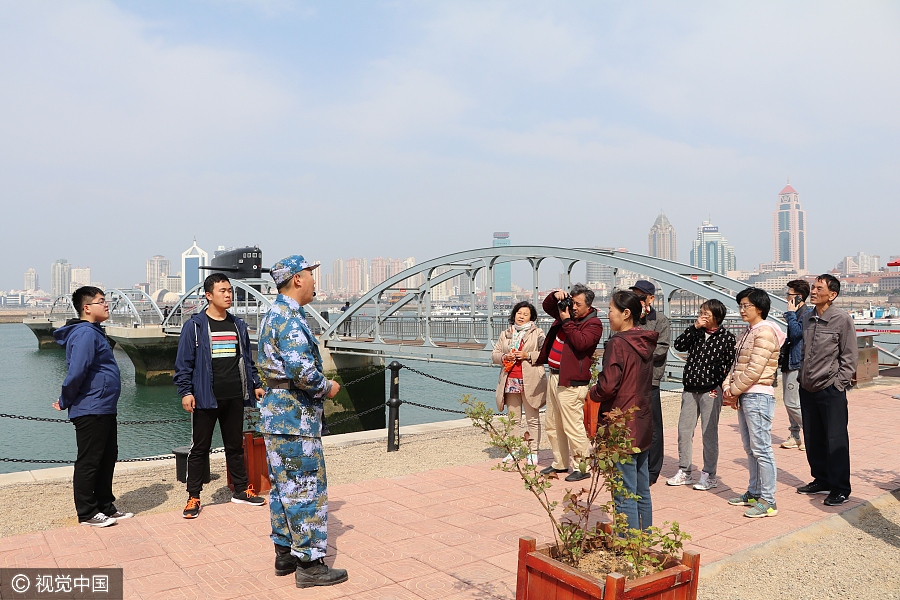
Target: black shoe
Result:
[285, 562]
[814, 488]
[309, 574]
[835, 499]
[577, 475]
[550, 469]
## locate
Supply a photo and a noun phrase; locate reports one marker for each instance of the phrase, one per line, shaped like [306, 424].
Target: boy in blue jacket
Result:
[90, 392]
[216, 378]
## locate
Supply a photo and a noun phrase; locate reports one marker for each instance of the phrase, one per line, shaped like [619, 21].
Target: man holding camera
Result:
[654, 321]
[569, 352]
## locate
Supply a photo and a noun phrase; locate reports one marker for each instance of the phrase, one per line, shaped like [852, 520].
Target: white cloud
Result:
[103, 92]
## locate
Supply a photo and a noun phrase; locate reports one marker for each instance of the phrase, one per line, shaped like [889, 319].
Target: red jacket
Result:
[582, 337]
[626, 381]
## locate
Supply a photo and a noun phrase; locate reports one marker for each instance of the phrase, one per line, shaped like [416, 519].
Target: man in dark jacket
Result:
[791, 359]
[654, 321]
[830, 357]
[90, 392]
[569, 352]
[216, 378]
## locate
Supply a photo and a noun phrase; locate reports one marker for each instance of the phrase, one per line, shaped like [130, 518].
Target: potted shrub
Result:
[254, 453]
[590, 535]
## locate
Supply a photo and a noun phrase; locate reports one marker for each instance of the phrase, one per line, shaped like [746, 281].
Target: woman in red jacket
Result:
[625, 382]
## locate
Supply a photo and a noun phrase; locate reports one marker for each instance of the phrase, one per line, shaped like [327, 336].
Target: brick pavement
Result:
[449, 533]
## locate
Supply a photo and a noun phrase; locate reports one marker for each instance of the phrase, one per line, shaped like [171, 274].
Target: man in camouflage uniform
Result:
[291, 423]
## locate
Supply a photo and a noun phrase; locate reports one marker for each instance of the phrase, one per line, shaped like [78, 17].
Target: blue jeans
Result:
[636, 477]
[755, 423]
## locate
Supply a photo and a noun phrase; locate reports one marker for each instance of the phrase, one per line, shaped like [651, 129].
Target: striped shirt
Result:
[555, 356]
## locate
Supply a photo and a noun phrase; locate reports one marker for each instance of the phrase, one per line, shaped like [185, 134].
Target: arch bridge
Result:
[395, 321]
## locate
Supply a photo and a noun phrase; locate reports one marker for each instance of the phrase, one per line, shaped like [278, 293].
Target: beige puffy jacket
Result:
[757, 358]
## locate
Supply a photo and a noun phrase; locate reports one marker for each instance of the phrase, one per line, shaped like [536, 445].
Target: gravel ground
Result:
[836, 558]
[847, 556]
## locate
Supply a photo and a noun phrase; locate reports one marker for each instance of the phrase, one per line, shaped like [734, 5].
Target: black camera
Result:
[565, 305]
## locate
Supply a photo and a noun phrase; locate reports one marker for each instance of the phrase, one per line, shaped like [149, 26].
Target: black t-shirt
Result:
[223, 338]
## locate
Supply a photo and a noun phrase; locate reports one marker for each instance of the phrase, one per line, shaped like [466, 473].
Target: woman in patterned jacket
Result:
[710, 349]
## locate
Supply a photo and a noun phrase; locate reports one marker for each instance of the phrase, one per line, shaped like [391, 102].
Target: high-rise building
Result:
[78, 277]
[157, 270]
[191, 260]
[712, 251]
[662, 239]
[789, 230]
[31, 281]
[317, 273]
[339, 273]
[174, 282]
[60, 277]
[502, 271]
[380, 270]
[599, 277]
[357, 276]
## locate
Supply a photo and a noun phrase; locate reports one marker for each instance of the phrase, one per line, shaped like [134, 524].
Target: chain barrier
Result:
[357, 415]
[46, 420]
[364, 377]
[462, 385]
[121, 460]
[164, 421]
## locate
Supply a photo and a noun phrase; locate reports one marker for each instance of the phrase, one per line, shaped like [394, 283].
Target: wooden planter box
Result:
[540, 577]
[256, 463]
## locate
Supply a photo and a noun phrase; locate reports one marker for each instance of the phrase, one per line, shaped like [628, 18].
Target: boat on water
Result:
[876, 315]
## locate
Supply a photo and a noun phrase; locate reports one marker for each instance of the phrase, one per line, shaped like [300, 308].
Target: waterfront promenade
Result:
[451, 533]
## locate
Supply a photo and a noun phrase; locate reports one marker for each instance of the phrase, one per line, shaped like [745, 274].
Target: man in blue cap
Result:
[291, 417]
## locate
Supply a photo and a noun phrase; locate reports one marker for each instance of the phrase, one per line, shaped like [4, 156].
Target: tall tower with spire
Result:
[191, 260]
[789, 230]
[662, 239]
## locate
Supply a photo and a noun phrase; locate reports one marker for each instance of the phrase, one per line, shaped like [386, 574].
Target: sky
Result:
[341, 129]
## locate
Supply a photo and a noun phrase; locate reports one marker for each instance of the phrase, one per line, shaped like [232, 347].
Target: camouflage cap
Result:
[286, 268]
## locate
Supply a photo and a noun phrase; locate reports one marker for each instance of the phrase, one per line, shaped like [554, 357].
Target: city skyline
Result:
[418, 129]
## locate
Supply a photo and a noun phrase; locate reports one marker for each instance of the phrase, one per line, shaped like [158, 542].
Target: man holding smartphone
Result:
[791, 359]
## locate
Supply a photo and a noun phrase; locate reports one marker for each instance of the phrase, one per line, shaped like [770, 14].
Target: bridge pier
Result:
[356, 398]
[151, 351]
[43, 330]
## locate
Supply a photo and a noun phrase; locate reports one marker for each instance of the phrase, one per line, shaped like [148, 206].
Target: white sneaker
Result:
[706, 482]
[99, 520]
[533, 460]
[509, 458]
[682, 477]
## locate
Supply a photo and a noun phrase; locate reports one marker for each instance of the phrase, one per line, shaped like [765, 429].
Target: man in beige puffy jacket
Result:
[749, 389]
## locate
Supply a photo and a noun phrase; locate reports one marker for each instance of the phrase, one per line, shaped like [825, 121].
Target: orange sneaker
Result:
[192, 510]
[248, 496]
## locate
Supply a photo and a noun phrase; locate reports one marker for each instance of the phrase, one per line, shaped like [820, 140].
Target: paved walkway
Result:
[448, 533]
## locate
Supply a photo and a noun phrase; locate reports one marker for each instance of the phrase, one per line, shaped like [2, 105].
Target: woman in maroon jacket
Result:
[625, 382]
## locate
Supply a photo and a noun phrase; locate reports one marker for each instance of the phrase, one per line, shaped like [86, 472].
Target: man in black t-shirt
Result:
[216, 377]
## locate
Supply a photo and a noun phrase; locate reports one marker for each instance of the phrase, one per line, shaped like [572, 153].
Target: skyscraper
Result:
[789, 230]
[60, 277]
[157, 270]
[191, 260]
[31, 281]
[502, 271]
[712, 251]
[339, 275]
[599, 277]
[662, 239]
[78, 277]
[357, 276]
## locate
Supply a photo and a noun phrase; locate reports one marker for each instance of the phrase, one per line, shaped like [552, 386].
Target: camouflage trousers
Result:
[299, 496]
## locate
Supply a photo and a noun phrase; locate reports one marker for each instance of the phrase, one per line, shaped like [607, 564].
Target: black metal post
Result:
[394, 408]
